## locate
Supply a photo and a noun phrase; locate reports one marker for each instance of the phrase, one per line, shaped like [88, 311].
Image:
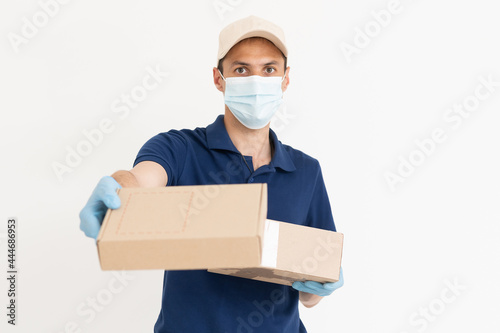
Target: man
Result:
[239, 147]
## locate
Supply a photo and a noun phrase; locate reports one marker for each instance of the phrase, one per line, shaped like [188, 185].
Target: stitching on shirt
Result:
[155, 232]
[185, 157]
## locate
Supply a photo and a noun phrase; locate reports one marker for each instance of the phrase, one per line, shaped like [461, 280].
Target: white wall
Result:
[359, 114]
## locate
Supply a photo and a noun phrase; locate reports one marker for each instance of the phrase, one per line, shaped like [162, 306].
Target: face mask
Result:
[253, 100]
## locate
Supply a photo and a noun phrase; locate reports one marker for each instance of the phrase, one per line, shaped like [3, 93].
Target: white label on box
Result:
[270, 246]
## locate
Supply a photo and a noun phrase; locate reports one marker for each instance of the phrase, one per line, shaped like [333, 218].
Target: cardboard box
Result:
[295, 253]
[222, 228]
[184, 227]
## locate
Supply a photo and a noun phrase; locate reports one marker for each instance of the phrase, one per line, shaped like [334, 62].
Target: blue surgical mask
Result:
[253, 100]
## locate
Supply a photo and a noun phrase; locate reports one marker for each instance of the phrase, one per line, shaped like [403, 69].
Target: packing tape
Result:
[270, 246]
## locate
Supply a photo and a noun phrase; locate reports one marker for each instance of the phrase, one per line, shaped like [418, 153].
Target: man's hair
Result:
[219, 65]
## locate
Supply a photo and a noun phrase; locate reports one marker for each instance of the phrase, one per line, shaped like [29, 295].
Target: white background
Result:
[356, 117]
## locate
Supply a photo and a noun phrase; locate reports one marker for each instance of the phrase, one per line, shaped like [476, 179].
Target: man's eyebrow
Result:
[241, 63]
[274, 62]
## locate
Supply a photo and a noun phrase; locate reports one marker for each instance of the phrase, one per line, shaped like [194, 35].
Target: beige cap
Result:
[251, 26]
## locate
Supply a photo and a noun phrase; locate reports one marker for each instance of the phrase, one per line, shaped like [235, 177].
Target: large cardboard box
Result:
[222, 228]
[184, 227]
[295, 253]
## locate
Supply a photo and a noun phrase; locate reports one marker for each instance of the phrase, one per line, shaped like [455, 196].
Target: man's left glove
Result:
[103, 197]
[320, 289]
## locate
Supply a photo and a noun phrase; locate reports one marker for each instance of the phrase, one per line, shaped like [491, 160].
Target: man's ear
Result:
[218, 81]
[286, 81]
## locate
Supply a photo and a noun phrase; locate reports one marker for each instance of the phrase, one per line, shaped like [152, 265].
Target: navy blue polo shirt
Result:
[199, 301]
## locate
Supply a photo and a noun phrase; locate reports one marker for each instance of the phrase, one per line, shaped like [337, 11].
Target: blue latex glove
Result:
[103, 197]
[320, 289]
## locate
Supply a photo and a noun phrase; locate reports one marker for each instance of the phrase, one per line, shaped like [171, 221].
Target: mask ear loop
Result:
[283, 79]
[222, 75]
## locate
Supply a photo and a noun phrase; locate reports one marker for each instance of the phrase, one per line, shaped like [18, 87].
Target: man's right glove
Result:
[103, 197]
[320, 289]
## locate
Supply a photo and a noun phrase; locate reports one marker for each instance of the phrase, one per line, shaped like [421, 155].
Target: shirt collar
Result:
[281, 158]
[217, 138]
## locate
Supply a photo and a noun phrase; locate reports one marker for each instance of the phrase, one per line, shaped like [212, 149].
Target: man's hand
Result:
[320, 289]
[103, 197]
[144, 174]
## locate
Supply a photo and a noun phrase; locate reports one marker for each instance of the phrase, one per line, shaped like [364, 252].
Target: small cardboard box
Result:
[222, 228]
[295, 253]
[184, 227]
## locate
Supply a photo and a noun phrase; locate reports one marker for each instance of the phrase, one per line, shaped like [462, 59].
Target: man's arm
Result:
[144, 174]
[309, 300]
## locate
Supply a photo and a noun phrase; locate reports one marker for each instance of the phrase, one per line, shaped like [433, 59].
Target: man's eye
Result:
[270, 70]
[240, 70]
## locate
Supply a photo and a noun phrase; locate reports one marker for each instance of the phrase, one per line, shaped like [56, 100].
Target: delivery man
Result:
[239, 147]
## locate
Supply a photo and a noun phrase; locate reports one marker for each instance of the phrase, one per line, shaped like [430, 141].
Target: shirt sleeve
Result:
[320, 212]
[168, 149]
